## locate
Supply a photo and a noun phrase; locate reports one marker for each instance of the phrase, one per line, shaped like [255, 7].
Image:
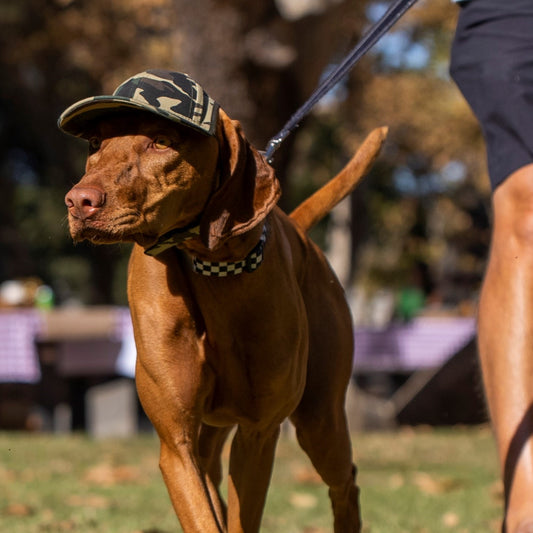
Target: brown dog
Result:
[238, 319]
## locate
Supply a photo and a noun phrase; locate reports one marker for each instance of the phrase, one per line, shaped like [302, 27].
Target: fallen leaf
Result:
[92, 501]
[18, 509]
[450, 519]
[496, 491]
[107, 475]
[65, 525]
[431, 485]
[151, 530]
[303, 500]
[308, 475]
[396, 481]
[6, 475]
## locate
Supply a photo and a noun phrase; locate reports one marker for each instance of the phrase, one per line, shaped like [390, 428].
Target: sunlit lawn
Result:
[412, 481]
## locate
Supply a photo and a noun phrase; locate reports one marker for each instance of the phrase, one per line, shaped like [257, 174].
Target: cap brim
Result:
[79, 118]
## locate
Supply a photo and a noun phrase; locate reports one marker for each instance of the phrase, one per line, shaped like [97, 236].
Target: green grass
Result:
[412, 481]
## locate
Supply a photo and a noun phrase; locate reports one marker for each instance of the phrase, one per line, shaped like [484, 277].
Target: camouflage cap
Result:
[172, 95]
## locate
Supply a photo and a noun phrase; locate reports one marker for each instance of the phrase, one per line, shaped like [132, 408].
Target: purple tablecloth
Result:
[20, 329]
[18, 353]
[426, 342]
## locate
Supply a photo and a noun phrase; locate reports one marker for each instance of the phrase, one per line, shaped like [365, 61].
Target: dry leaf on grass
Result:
[496, 491]
[432, 485]
[108, 475]
[306, 475]
[450, 519]
[63, 525]
[396, 481]
[91, 500]
[151, 530]
[18, 509]
[6, 475]
[303, 500]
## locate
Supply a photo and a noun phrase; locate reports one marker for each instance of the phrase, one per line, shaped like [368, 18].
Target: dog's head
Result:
[164, 159]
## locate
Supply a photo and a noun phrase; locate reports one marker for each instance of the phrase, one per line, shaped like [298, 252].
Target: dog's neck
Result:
[174, 238]
[224, 269]
[243, 253]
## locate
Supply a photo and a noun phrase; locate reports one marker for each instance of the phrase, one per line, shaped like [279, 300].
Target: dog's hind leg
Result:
[322, 433]
[320, 419]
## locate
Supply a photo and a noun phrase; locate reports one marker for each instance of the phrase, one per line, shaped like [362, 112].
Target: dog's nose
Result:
[84, 202]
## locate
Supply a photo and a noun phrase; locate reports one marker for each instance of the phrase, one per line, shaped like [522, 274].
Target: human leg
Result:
[505, 334]
[491, 64]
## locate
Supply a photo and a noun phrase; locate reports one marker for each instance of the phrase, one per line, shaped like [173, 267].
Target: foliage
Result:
[426, 201]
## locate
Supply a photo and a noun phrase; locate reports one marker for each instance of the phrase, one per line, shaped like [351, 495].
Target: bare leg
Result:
[506, 343]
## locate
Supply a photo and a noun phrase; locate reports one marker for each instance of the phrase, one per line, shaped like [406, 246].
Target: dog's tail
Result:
[310, 211]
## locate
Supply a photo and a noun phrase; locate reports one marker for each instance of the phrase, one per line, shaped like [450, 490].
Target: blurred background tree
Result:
[419, 220]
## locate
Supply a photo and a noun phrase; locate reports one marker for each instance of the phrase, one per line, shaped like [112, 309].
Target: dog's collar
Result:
[173, 238]
[223, 269]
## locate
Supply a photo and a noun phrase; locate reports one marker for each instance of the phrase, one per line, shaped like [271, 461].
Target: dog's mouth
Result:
[98, 230]
[94, 232]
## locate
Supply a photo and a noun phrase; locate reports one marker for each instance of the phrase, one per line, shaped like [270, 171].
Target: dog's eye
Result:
[94, 144]
[161, 142]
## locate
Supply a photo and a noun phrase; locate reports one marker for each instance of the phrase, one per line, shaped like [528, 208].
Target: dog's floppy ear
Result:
[248, 188]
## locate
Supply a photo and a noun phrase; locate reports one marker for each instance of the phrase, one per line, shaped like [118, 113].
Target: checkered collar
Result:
[173, 238]
[223, 269]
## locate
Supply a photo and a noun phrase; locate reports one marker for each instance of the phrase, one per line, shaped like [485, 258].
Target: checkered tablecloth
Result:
[19, 329]
[18, 353]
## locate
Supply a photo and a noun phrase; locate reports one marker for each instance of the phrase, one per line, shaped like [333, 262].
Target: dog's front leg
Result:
[173, 382]
[251, 460]
[211, 444]
[193, 495]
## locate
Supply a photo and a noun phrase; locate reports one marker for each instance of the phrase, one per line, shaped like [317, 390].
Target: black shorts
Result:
[492, 63]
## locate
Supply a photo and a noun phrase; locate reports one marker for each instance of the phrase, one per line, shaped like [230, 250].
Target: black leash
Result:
[392, 15]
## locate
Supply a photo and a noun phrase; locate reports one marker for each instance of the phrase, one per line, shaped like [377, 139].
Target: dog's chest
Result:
[257, 358]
